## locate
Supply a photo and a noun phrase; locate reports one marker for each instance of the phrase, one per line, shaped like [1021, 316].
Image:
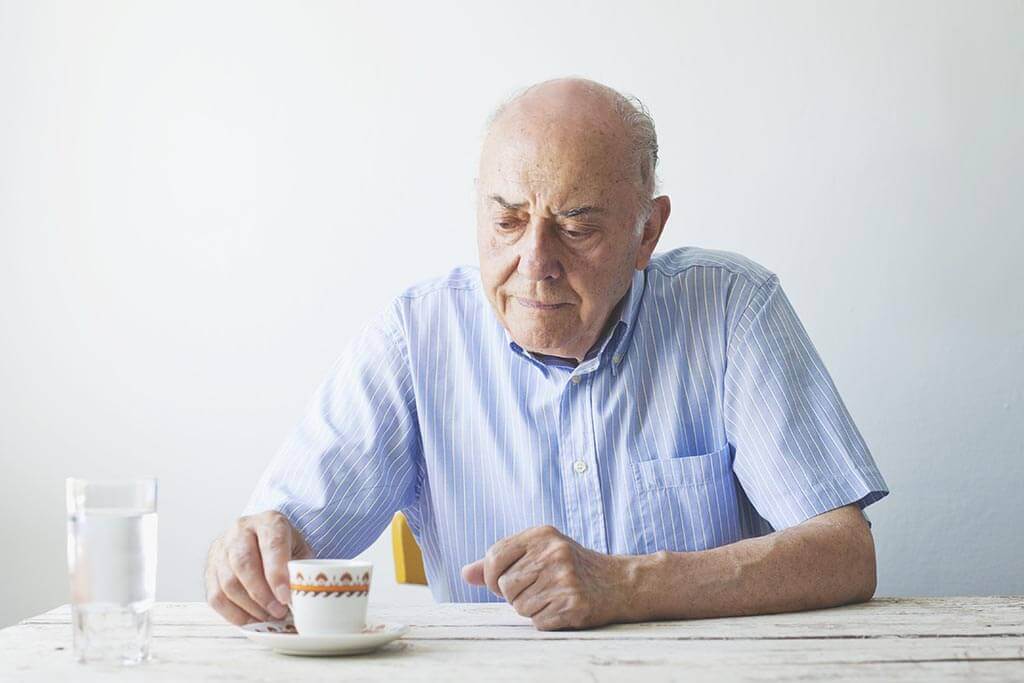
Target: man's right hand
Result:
[247, 568]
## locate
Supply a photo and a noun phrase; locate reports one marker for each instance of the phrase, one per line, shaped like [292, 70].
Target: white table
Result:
[888, 639]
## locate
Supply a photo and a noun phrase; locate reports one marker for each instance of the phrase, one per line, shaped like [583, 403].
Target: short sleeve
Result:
[797, 451]
[353, 459]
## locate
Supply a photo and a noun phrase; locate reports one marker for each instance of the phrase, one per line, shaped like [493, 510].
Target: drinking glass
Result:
[112, 567]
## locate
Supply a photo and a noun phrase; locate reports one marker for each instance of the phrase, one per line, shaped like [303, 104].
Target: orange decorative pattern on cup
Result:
[355, 589]
[334, 586]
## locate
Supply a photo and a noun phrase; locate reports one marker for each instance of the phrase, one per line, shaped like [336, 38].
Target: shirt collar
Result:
[618, 336]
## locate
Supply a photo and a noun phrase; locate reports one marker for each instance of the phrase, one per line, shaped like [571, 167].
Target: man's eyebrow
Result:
[568, 213]
[506, 204]
[580, 211]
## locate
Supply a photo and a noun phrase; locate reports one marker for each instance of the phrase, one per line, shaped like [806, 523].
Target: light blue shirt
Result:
[703, 417]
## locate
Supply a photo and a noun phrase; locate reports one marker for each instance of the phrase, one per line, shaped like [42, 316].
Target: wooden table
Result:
[888, 639]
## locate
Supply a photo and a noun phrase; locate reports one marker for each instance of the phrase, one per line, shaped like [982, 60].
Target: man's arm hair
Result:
[826, 561]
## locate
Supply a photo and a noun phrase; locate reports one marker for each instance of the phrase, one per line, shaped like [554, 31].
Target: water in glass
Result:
[112, 566]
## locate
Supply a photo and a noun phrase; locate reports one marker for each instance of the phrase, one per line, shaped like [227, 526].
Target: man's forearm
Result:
[828, 560]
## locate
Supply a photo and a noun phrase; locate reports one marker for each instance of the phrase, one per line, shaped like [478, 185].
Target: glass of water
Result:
[112, 567]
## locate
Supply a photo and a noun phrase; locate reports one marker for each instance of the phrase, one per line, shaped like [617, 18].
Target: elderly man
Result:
[590, 432]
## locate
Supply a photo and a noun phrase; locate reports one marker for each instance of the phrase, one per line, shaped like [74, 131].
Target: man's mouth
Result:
[538, 305]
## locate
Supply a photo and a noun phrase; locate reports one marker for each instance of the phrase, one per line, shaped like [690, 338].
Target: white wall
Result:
[199, 202]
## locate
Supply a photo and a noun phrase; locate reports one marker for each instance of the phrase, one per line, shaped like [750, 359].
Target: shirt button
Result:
[579, 467]
[575, 379]
[617, 358]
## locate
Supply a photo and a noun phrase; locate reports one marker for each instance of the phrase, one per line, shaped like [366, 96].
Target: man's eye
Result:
[576, 234]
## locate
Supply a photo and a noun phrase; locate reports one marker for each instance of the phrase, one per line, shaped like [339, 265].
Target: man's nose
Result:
[538, 256]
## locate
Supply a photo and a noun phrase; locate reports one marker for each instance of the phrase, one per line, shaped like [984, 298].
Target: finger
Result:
[500, 557]
[513, 583]
[473, 573]
[549, 618]
[232, 587]
[533, 598]
[531, 605]
[222, 604]
[276, 543]
[246, 563]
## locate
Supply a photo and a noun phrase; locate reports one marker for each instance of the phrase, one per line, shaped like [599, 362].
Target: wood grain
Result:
[905, 639]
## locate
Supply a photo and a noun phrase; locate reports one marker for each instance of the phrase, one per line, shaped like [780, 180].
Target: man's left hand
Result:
[555, 581]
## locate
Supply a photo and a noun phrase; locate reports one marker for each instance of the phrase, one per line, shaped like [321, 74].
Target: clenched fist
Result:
[247, 568]
[555, 581]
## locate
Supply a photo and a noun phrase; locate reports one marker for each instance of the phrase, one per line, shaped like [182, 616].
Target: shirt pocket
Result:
[686, 502]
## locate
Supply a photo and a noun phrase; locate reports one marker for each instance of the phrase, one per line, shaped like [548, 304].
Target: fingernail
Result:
[277, 609]
[283, 594]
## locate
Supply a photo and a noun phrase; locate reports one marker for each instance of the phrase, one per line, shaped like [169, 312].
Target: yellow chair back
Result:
[408, 558]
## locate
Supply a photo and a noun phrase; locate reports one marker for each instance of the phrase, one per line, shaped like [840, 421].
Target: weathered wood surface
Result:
[927, 639]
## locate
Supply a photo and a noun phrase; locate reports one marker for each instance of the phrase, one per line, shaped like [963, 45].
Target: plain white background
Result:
[201, 201]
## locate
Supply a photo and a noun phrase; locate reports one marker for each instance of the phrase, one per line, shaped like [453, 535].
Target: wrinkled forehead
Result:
[559, 157]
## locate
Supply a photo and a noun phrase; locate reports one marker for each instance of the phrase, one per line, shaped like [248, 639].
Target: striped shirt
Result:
[703, 416]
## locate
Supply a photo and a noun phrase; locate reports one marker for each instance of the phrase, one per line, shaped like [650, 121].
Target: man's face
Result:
[557, 219]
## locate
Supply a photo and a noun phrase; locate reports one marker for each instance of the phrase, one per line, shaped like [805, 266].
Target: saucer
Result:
[281, 636]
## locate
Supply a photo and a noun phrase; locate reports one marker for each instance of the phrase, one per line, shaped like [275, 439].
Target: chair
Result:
[408, 558]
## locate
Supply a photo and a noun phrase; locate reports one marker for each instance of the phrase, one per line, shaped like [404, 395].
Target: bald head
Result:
[590, 109]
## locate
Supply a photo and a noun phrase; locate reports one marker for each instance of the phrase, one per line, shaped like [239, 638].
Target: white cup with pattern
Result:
[329, 596]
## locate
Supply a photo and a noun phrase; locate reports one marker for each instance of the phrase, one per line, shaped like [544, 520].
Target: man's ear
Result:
[660, 209]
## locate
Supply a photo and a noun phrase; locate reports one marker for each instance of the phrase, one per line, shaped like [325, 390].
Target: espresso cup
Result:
[329, 596]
